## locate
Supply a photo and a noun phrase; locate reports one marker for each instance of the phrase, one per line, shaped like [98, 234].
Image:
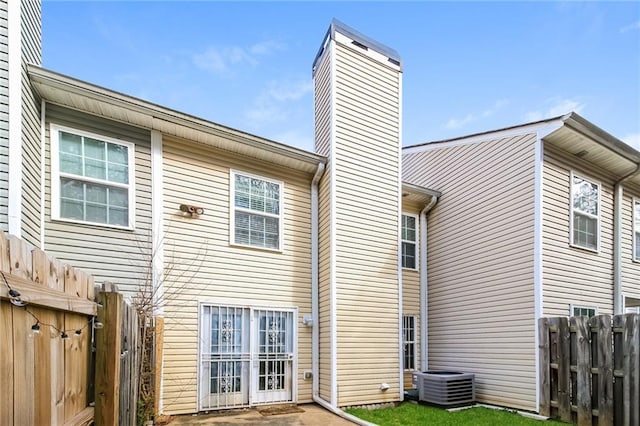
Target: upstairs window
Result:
[636, 230]
[409, 239]
[256, 211]
[91, 178]
[585, 213]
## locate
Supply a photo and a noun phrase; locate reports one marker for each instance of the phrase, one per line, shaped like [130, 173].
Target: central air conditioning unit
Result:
[445, 388]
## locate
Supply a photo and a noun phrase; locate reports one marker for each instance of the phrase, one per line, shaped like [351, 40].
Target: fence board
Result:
[42, 368]
[23, 369]
[603, 363]
[582, 391]
[6, 359]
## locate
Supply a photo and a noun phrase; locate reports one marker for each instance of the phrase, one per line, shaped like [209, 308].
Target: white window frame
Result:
[232, 210]
[635, 229]
[54, 135]
[411, 342]
[572, 243]
[415, 242]
[574, 307]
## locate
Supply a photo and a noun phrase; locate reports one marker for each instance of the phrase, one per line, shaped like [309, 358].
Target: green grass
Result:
[413, 414]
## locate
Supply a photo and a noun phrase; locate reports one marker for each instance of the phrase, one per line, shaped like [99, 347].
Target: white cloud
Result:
[632, 140]
[630, 27]
[221, 60]
[276, 102]
[456, 123]
[555, 107]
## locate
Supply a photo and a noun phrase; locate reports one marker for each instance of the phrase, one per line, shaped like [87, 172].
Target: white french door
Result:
[247, 356]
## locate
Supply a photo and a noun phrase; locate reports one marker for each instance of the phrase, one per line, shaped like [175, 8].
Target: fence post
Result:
[545, 391]
[108, 347]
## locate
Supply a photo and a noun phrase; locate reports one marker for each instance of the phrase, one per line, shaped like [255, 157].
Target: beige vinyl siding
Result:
[630, 268]
[205, 268]
[480, 264]
[116, 255]
[572, 275]
[411, 291]
[322, 100]
[366, 158]
[4, 117]
[31, 152]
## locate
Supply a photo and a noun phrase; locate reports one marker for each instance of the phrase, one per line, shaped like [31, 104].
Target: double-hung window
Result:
[409, 341]
[585, 213]
[91, 178]
[256, 211]
[636, 230]
[409, 241]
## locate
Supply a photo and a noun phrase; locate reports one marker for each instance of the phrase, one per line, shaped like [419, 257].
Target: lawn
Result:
[413, 414]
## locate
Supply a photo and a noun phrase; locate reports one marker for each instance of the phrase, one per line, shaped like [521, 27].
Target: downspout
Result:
[315, 332]
[618, 193]
[423, 284]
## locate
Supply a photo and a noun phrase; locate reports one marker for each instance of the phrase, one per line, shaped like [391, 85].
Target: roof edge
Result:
[337, 26]
[70, 84]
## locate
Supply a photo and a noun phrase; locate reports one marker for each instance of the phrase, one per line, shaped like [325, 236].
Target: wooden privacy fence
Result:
[590, 369]
[44, 373]
[49, 373]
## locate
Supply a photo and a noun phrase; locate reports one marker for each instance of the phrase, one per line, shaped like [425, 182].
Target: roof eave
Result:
[150, 115]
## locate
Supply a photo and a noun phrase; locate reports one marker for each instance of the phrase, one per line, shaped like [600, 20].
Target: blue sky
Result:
[467, 66]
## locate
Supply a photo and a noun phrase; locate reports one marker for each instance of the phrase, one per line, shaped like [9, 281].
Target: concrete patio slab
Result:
[306, 415]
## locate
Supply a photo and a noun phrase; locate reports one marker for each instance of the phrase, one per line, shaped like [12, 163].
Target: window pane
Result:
[70, 143]
[585, 231]
[118, 216]
[95, 169]
[408, 255]
[96, 213]
[117, 154]
[585, 196]
[94, 149]
[118, 173]
[71, 209]
[70, 163]
[71, 189]
[118, 197]
[242, 199]
[96, 194]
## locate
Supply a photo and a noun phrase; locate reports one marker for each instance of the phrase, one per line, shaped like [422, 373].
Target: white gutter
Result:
[424, 296]
[315, 332]
[618, 195]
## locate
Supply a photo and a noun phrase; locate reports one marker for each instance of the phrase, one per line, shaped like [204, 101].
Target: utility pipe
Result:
[423, 283]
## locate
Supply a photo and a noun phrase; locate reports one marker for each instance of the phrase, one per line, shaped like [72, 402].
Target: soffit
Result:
[68, 92]
[619, 162]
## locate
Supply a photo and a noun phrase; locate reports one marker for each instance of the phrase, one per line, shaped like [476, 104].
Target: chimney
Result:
[358, 85]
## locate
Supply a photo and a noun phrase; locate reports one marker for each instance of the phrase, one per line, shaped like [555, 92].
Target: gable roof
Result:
[569, 132]
[69, 92]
